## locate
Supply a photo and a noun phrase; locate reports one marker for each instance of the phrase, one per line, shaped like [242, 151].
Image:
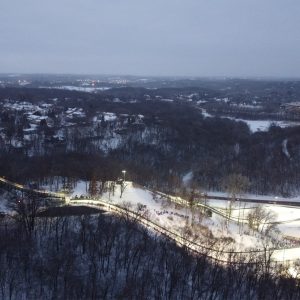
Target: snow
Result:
[75, 112]
[291, 230]
[27, 137]
[244, 105]
[82, 89]
[205, 114]
[176, 217]
[284, 148]
[109, 143]
[286, 254]
[136, 195]
[80, 189]
[201, 102]
[174, 214]
[36, 118]
[60, 135]
[17, 144]
[21, 106]
[225, 100]
[159, 209]
[187, 178]
[288, 218]
[3, 206]
[167, 100]
[109, 116]
[264, 125]
[256, 125]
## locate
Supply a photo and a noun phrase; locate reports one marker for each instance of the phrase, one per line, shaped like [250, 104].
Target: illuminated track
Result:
[216, 254]
[23, 188]
[238, 257]
[172, 198]
[206, 196]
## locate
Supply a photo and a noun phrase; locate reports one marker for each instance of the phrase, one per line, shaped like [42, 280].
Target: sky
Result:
[239, 38]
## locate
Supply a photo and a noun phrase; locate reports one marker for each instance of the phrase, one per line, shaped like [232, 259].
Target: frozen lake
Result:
[263, 125]
[257, 125]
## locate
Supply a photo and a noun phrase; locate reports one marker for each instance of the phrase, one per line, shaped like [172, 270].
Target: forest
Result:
[157, 141]
[105, 257]
[52, 135]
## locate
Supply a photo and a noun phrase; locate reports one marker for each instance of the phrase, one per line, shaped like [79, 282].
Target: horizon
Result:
[145, 76]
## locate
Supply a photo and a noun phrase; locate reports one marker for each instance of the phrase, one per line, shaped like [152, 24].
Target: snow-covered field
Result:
[288, 218]
[178, 218]
[264, 125]
[257, 125]
[82, 89]
[173, 214]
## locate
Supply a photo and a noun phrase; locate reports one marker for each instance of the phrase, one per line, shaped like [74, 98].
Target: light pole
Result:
[124, 173]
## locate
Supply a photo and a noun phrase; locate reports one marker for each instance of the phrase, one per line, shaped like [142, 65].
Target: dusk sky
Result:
[157, 37]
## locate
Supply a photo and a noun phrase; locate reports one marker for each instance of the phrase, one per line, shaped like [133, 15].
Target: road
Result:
[21, 187]
[251, 200]
[207, 196]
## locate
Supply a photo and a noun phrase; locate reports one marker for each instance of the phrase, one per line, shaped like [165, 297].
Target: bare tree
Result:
[261, 219]
[93, 187]
[234, 185]
[111, 189]
[26, 209]
[123, 186]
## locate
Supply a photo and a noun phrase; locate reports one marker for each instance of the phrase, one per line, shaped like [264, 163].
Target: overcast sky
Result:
[151, 37]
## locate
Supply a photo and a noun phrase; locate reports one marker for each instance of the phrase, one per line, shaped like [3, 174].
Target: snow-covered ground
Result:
[288, 218]
[107, 116]
[173, 214]
[4, 206]
[264, 125]
[257, 125]
[186, 179]
[178, 218]
[206, 114]
[81, 88]
[75, 112]
[81, 188]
